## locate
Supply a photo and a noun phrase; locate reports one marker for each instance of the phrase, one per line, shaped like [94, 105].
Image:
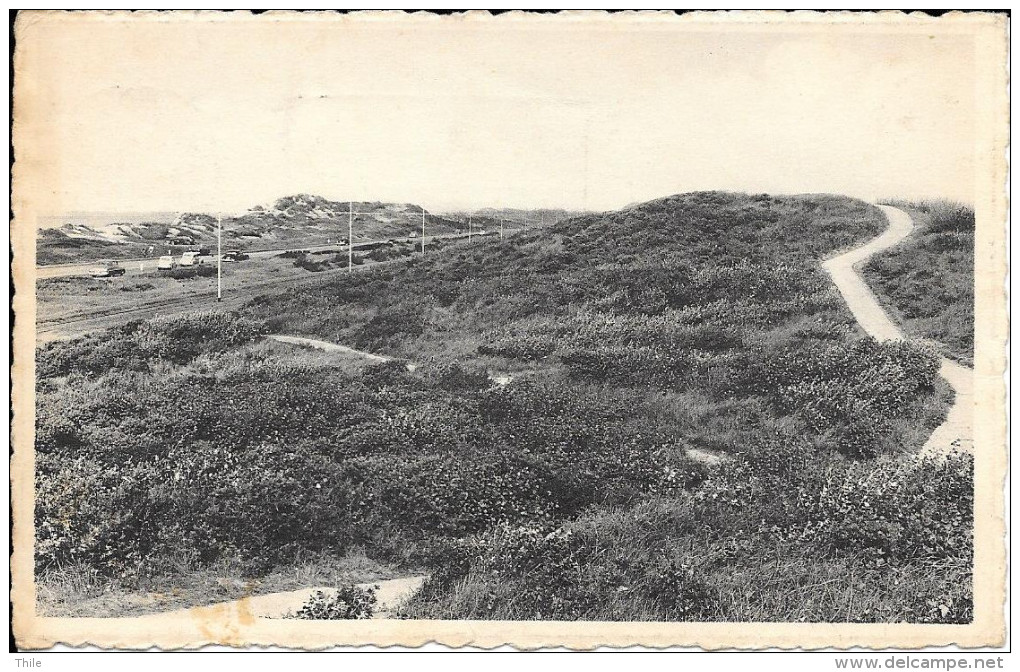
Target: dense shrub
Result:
[456, 378]
[389, 252]
[303, 261]
[523, 347]
[263, 462]
[141, 345]
[389, 325]
[187, 272]
[348, 602]
[752, 543]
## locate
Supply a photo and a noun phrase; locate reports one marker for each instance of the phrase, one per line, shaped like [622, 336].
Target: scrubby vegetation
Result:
[717, 297]
[928, 280]
[381, 252]
[347, 603]
[56, 247]
[188, 272]
[775, 536]
[698, 321]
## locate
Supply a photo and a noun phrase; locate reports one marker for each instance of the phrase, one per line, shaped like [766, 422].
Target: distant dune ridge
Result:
[303, 218]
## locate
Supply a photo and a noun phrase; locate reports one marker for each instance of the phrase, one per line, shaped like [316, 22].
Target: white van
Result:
[166, 262]
[190, 259]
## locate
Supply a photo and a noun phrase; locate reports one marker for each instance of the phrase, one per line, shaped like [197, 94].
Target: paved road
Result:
[958, 429]
[75, 324]
[139, 266]
[69, 326]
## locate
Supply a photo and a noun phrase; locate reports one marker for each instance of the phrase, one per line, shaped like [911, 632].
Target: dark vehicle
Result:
[232, 256]
[108, 270]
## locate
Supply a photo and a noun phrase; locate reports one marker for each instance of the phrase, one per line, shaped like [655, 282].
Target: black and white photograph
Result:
[513, 328]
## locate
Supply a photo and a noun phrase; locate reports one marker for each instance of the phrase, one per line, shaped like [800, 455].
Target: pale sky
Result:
[213, 115]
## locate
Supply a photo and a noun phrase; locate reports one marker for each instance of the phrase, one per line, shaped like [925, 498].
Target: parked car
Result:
[107, 270]
[190, 259]
[234, 256]
[166, 262]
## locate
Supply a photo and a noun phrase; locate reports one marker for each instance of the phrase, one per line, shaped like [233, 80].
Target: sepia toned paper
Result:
[54, 48]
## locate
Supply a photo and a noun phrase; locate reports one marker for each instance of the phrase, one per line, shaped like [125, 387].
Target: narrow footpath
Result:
[390, 594]
[957, 432]
[328, 347]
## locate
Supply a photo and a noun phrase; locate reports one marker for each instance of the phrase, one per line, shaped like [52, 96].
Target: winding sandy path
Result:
[390, 594]
[328, 347]
[957, 432]
[498, 379]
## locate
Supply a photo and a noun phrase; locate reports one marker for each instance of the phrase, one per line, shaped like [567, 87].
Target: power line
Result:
[350, 231]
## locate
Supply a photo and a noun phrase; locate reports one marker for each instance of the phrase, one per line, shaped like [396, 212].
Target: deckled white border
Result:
[988, 627]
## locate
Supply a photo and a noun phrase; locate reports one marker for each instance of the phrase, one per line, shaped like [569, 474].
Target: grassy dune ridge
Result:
[696, 321]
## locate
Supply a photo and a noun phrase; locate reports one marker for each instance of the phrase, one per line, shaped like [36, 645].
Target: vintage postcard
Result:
[543, 330]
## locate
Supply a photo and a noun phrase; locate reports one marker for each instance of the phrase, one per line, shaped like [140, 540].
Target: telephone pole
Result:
[423, 229]
[219, 258]
[469, 229]
[350, 236]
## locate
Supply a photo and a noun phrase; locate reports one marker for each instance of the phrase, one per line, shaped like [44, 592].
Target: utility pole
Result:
[501, 228]
[219, 258]
[350, 232]
[469, 229]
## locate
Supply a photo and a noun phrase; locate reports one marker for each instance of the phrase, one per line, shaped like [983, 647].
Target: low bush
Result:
[775, 535]
[524, 347]
[188, 272]
[143, 345]
[303, 261]
[264, 462]
[389, 252]
[347, 603]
